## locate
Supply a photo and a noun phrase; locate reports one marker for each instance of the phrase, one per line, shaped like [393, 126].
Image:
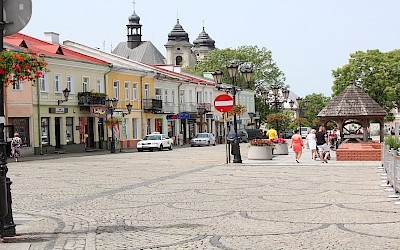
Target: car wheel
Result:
[140, 150]
[192, 145]
[208, 143]
[170, 147]
[214, 143]
[151, 149]
[161, 148]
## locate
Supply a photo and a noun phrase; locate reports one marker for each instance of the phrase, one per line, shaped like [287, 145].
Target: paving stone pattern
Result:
[188, 198]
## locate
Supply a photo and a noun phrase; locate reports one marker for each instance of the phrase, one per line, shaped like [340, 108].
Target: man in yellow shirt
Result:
[272, 134]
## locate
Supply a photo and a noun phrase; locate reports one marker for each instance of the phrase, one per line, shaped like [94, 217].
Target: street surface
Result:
[188, 198]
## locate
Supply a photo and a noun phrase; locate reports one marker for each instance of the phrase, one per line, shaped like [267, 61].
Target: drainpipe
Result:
[179, 107]
[142, 99]
[39, 119]
[110, 66]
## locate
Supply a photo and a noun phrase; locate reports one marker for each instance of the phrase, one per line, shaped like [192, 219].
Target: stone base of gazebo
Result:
[364, 151]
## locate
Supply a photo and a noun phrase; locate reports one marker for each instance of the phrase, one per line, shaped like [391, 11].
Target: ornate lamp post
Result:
[66, 92]
[233, 90]
[111, 104]
[301, 105]
[275, 97]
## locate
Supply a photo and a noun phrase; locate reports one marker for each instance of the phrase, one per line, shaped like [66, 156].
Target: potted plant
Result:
[281, 147]
[260, 149]
[237, 109]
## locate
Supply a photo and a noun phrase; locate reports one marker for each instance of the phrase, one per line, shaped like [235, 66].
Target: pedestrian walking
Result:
[16, 147]
[297, 145]
[180, 139]
[312, 143]
[322, 144]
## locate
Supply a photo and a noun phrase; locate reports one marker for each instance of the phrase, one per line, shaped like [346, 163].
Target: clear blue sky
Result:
[308, 38]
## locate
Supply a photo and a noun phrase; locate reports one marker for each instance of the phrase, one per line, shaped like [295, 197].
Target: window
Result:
[211, 97]
[70, 83]
[99, 85]
[17, 85]
[135, 127]
[21, 125]
[135, 91]
[116, 89]
[43, 83]
[178, 60]
[70, 130]
[199, 97]
[57, 83]
[85, 84]
[181, 96]
[166, 95]
[173, 96]
[127, 92]
[190, 95]
[158, 93]
[45, 131]
[147, 91]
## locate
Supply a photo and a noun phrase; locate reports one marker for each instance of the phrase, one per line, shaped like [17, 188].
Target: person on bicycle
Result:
[16, 146]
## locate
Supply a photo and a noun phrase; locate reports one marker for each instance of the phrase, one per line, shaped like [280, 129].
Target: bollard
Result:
[3, 193]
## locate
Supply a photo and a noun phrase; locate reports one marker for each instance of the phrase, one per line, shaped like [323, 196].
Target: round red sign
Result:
[223, 103]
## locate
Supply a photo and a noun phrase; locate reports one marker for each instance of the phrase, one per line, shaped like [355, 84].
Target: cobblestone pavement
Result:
[188, 198]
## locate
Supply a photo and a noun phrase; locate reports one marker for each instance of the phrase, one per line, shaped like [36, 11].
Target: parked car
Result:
[242, 135]
[155, 141]
[288, 134]
[254, 133]
[203, 139]
[304, 131]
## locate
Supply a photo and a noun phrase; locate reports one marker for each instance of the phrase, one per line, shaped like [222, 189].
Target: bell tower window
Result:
[178, 60]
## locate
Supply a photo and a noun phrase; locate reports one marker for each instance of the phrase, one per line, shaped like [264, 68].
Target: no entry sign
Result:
[223, 103]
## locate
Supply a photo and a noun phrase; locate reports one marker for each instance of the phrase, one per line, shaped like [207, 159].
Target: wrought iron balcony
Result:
[91, 98]
[152, 105]
[203, 108]
[188, 107]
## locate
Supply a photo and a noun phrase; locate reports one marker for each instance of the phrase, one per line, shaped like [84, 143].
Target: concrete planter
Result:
[259, 153]
[281, 149]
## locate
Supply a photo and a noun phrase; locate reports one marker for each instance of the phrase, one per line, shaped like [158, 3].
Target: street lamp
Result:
[111, 104]
[275, 97]
[233, 89]
[66, 92]
[301, 105]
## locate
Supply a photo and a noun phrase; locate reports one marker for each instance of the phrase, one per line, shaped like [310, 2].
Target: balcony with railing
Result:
[170, 107]
[203, 108]
[152, 105]
[91, 98]
[188, 107]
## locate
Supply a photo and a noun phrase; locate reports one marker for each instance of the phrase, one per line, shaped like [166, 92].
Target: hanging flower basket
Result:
[237, 110]
[21, 66]
[112, 121]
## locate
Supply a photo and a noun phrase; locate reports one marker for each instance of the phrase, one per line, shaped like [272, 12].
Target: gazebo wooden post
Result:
[381, 130]
[365, 124]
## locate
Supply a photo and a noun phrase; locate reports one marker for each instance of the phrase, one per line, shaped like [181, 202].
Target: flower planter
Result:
[259, 153]
[281, 149]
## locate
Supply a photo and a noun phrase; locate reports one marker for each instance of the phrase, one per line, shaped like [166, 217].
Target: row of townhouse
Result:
[163, 99]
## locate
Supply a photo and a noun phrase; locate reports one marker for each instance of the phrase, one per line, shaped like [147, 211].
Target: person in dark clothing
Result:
[323, 148]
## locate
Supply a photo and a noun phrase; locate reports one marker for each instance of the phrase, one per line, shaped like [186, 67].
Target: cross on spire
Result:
[134, 5]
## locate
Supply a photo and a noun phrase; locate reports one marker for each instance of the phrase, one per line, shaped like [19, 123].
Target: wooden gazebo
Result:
[354, 104]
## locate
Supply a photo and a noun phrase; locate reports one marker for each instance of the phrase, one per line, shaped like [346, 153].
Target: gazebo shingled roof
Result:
[353, 103]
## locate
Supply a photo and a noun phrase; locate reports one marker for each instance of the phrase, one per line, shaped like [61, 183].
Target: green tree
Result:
[316, 102]
[377, 73]
[265, 70]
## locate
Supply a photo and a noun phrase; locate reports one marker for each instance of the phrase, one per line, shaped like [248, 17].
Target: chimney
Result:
[52, 37]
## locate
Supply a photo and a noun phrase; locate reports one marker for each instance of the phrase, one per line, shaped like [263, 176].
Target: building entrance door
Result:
[58, 132]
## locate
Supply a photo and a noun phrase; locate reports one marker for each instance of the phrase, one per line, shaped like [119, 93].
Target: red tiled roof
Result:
[49, 49]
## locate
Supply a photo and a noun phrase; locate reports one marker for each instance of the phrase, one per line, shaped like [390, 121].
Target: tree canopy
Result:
[316, 102]
[265, 70]
[377, 73]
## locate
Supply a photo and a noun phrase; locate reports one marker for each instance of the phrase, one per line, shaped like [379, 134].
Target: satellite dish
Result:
[17, 14]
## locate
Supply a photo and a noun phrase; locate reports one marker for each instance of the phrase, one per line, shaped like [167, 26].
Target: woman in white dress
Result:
[312, 143]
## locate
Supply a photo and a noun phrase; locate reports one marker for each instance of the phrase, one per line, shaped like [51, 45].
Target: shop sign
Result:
[209, 116]
[58, 110]
[183, 116]
[172, 117]
[98, 111]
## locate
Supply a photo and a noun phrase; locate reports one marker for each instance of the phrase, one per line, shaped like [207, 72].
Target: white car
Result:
[155, 141]
[203, 139]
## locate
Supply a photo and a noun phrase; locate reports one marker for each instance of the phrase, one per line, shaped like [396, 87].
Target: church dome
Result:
[134, 18]
[178, 33]
[204, 40]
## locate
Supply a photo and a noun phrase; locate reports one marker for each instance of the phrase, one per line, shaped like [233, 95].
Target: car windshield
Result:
[152, 137]
[202, 136]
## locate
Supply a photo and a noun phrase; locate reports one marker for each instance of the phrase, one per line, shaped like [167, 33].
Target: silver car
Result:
[203, 139]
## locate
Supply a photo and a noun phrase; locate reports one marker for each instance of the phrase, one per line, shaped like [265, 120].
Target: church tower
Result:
[179, 49]
[202, 45]
[134, 31]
